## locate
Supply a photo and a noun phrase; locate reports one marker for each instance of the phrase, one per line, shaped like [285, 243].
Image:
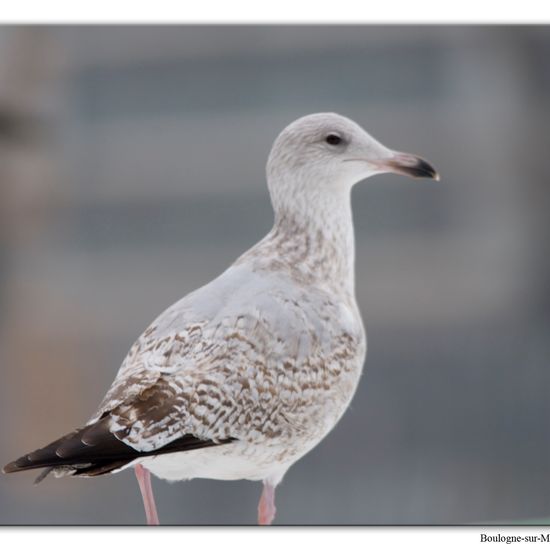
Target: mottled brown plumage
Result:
[244, 376]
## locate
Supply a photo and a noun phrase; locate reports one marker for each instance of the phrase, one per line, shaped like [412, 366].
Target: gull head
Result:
[327, 151]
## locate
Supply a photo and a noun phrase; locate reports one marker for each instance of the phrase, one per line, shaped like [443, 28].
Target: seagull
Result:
[244, 376]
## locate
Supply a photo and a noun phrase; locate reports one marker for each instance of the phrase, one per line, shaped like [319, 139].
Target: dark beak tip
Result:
[413, 166]
[425, 170]
[433, 175]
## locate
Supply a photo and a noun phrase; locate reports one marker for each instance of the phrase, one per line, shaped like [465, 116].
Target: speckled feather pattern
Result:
[269, 353]
[242, 377]
[273, 364]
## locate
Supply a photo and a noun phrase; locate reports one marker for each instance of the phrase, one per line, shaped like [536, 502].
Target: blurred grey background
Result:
[132, 171]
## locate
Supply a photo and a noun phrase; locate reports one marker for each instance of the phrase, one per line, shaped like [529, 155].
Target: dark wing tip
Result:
[10, 468]
[22, 463]
[94, 450]
[46, 456]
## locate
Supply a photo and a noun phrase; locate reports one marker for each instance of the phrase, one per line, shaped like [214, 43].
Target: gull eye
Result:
[333, 139]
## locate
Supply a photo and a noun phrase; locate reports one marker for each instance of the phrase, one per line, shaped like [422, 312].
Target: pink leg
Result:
[266, 506]
[144, 479]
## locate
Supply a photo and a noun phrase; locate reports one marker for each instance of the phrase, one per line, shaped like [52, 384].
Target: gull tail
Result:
[95, 450]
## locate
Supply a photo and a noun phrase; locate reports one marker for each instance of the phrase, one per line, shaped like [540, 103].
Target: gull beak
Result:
[408, 165]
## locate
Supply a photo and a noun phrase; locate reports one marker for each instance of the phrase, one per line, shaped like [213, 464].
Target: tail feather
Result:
[94, 450]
